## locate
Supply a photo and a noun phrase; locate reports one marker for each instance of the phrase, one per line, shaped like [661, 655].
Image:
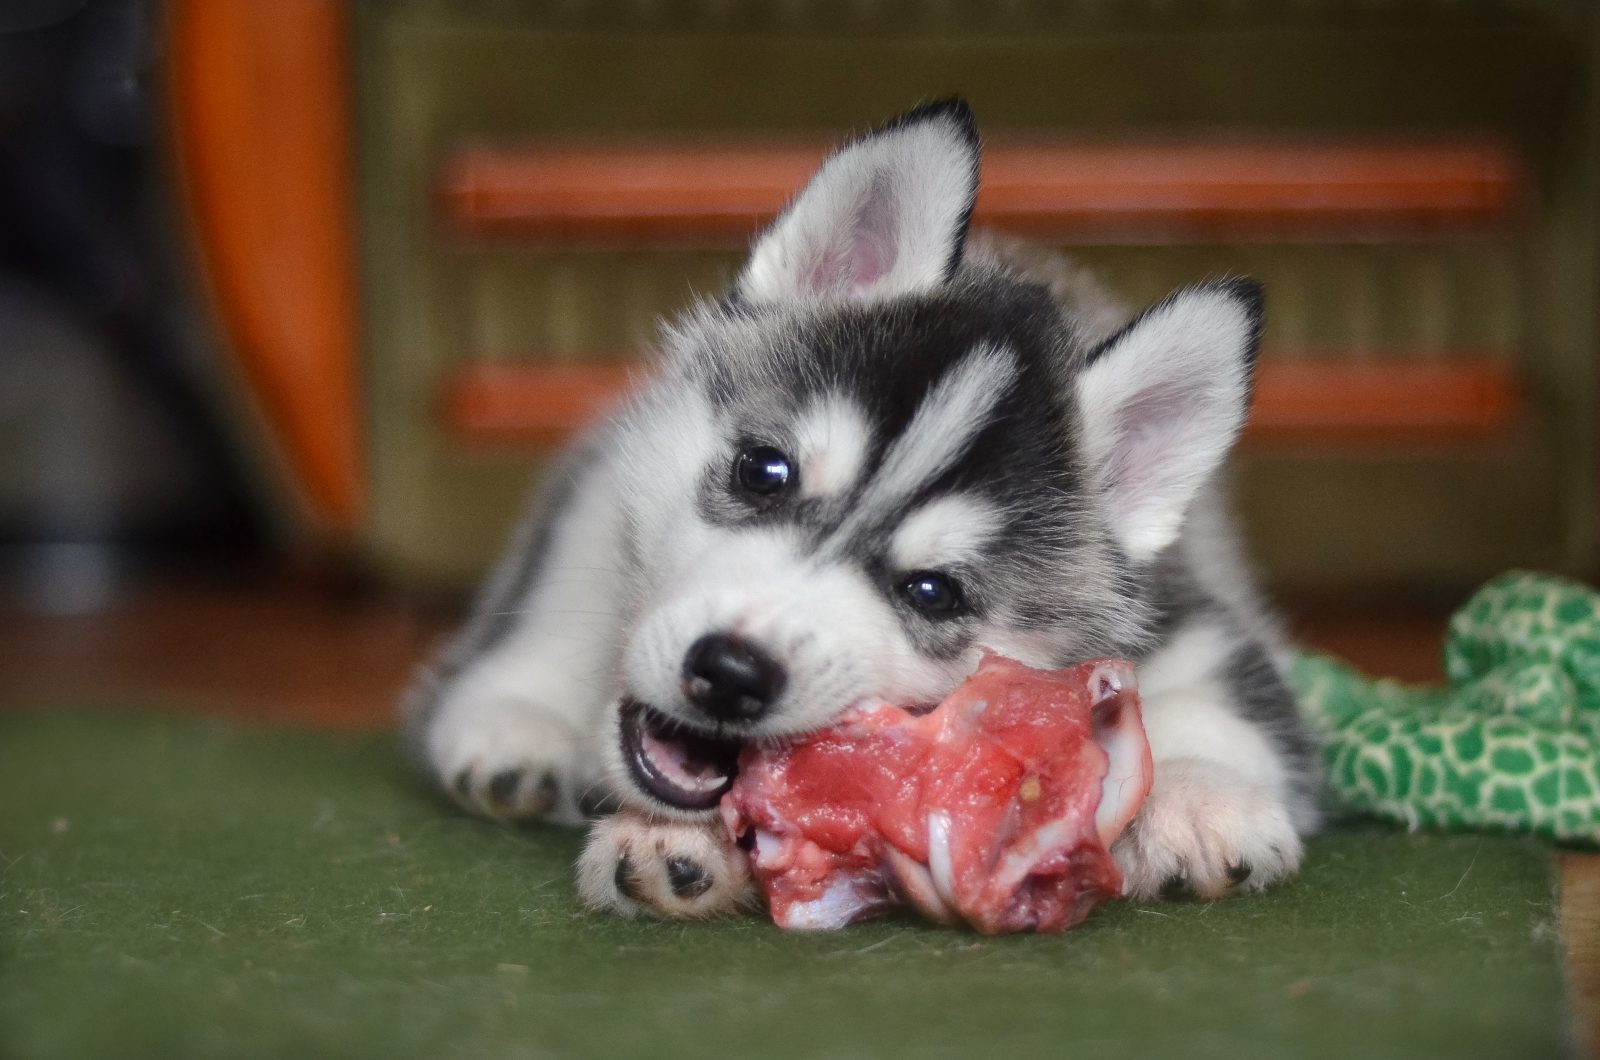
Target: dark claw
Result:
[598, 803]
[503, 785]
[463, 783]
[1176, 886]
[547, 794]
[1238, 872]
[688, 878]
[624, 880]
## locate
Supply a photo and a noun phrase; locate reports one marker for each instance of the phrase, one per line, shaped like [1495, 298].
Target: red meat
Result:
[995, 808]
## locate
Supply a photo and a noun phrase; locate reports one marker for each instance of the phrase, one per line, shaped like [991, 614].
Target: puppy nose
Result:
[729, 678]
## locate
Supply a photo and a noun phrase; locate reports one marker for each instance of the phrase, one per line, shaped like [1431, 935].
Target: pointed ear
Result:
[1162, 401]
[885, 215]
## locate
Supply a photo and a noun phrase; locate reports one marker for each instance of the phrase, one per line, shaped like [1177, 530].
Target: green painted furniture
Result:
[436, 77]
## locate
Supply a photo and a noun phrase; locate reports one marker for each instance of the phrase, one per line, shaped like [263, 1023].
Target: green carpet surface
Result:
[181, 887]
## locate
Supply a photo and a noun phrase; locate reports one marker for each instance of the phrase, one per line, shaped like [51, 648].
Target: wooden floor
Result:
[286, 652]
[293, 653]
[297, 652]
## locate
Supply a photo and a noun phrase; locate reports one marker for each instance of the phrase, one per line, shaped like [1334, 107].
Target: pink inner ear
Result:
[1145, 429]
[1149, 426]
[875, 240]
[852, 259]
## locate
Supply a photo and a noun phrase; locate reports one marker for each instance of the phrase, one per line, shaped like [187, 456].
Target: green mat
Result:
[176, 887]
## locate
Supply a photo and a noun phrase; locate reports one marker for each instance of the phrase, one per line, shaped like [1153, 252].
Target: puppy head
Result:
[877, 456]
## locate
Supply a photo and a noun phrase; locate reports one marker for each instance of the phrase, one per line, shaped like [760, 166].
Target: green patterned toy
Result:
[1512, 743]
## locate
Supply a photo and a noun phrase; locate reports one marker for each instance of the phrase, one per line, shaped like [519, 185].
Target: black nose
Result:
[730, 679]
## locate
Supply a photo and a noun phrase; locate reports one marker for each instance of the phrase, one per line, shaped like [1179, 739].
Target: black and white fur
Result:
[965, 409]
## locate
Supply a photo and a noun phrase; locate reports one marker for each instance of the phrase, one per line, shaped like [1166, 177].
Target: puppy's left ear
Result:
[884, 216]
[1162, 401]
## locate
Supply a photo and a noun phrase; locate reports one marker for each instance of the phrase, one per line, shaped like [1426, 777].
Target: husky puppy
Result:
[887, 447]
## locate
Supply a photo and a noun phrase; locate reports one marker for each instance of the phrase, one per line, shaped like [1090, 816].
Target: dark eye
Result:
[932, 593]
[763, 471]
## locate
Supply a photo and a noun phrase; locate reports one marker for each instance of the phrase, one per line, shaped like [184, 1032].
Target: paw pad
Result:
[626, 882]
[1177, 885]
[503, 786]
[688, 878]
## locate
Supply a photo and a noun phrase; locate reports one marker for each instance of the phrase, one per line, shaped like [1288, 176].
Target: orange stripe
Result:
[1468, 402]
[719, 194]
[524, 404]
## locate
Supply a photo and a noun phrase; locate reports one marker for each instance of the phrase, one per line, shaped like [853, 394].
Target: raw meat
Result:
[995, 808]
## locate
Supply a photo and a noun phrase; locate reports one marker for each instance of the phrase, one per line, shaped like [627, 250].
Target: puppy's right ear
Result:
[884, 216]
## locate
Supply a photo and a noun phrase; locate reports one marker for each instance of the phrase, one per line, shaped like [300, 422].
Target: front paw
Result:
[1207, 832]
[633, 864]
[509, 761]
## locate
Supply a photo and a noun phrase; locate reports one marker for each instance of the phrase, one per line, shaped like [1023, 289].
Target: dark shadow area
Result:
[118, 459]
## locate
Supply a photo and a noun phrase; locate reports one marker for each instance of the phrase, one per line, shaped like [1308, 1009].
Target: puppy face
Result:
[874, 459]
[878, 490]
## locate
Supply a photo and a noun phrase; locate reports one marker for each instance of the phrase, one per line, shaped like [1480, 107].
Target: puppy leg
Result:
[503, 755]
[1231, 776]
[1206, 831]
[508, 720]
[637, 865]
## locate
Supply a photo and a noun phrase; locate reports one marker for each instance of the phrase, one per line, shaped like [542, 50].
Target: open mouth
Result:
[682, 767]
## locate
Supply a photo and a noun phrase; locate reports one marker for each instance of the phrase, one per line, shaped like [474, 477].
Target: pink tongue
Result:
[677, 767]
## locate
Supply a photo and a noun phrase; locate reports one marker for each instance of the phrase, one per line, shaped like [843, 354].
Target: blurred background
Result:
[296, 296]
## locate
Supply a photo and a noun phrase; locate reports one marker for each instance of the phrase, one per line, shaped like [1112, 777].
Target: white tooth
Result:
[917, 887]
[939, 857]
